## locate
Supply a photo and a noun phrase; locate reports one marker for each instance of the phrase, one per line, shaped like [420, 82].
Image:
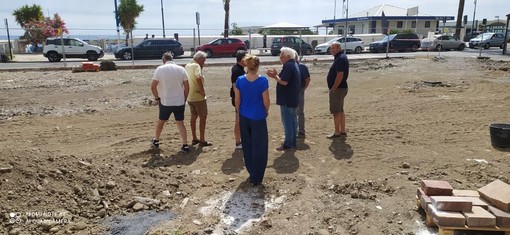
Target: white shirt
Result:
[170, 87]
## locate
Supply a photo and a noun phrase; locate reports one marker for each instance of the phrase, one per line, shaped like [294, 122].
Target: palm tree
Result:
[26, 14]
[460, 12]
[129, 10]
[226, 5]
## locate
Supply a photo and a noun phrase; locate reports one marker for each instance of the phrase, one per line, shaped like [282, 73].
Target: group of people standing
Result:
[173, 86]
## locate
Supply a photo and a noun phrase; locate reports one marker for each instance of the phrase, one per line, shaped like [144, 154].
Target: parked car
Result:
[398, 42]
[73, 48]
[150, 49]
[487, 40]
[293, 42]
[354, 44]
[442, 43]
[222, 47]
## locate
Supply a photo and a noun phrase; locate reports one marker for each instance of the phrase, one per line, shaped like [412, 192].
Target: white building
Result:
[370, 21]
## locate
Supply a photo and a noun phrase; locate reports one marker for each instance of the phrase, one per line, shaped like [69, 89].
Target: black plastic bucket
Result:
[500, 135]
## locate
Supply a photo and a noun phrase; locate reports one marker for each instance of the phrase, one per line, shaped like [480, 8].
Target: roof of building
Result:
[388, 10]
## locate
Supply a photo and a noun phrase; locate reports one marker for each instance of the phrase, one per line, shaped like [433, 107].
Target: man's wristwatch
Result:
[157, 98]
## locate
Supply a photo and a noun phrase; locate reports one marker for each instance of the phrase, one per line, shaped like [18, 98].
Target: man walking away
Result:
[170, 89]
[197, 100]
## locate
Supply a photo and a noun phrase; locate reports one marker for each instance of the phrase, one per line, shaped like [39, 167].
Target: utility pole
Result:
[346, 25]
[473, 26]
[334, 20]
[163, 18]
[8, 38]
[117, 23]
[506, 34]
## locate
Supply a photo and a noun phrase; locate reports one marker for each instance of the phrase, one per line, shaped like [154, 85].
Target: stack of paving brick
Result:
[446, 207]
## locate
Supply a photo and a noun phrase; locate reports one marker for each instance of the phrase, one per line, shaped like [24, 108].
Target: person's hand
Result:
[202, 93]
[271, 73]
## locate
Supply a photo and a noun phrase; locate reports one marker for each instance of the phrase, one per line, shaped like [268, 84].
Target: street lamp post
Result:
[473, 26]
[117, 23]
[162, 18]
[334, 20]
[506, 34]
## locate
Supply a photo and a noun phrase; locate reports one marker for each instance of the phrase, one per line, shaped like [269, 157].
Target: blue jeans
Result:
[289, 121]
[255, 147]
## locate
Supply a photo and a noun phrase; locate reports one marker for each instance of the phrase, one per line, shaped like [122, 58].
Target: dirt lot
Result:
[75, 155]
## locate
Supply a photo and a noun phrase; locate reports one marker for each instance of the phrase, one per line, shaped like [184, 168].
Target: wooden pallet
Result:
[451, 230]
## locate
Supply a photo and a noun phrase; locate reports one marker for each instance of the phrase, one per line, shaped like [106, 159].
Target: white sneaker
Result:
[239, 146]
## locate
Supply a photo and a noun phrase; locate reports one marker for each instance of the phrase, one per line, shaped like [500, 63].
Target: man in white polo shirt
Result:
[170, 89]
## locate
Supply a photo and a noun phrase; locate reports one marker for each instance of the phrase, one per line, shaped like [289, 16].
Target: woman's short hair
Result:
[199, 55]
[252, 62]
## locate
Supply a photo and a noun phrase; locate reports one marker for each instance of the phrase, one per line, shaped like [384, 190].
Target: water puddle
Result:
[240, 210]
[137, 223]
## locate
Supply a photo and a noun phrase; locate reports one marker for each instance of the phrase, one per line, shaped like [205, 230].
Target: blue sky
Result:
[96, 16]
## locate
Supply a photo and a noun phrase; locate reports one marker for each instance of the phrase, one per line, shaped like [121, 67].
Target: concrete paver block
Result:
[479, 217]
[446, 218]
[450, 203]
[436, 188]
[502, 218]
[465, 193]
[497, 193]
[423, 198]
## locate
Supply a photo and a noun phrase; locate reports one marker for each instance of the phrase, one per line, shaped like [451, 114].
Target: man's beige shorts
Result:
[336, 100]
[198, 108]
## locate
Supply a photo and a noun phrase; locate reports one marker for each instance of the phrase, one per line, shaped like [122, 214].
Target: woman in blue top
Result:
[252, 101]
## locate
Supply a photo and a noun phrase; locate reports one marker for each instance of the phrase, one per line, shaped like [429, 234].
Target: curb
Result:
[131, 67]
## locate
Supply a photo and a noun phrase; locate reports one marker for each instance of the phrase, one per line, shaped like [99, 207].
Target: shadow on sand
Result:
[340, 149]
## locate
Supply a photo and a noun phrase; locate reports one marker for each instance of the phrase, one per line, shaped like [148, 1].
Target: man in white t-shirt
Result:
[170, 89]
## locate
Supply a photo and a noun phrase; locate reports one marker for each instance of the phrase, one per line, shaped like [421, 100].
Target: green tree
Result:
[226, 6]
[129, 10]
[26, 14]
[236, 30]
[460, 12]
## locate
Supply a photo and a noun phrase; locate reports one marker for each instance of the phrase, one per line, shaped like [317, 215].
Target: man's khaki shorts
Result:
[336, 100]
[198, 108]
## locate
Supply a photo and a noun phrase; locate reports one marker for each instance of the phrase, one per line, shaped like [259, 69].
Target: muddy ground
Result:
[75, 155]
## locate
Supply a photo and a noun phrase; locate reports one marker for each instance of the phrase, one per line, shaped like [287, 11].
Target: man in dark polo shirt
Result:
[287, 95]
[237, 70]
[337, 84]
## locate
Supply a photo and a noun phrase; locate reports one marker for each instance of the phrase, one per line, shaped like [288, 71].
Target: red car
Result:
[223, 46]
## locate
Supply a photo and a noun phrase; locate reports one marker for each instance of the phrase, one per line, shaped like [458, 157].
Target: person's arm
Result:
[200, 84]
[154, 89]
[306, 73]
[267, 102]
[237, 98]
[307, 82]
[338, 80]
[186, 90]
[274, 74]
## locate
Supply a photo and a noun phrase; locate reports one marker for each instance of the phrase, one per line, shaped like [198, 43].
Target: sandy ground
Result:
[74, 150]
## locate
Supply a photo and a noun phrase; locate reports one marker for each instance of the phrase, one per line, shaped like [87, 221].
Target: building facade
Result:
[371, 21]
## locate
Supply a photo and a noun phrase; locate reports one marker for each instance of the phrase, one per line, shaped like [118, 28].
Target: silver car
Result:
[487, 40]
[354, 44]
[442, 43]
